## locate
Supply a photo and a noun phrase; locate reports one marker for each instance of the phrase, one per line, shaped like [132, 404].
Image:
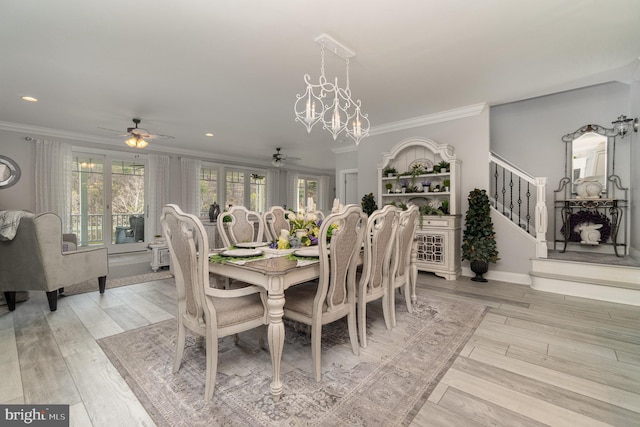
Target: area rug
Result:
[92, 285]
[385, 386]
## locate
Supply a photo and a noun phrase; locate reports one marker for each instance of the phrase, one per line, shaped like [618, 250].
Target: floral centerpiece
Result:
[305, 228]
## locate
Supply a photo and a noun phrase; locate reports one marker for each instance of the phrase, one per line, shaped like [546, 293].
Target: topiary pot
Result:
[480, 268]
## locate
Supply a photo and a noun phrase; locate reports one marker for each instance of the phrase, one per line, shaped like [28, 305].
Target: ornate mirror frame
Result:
[9, 172]
[608, 166]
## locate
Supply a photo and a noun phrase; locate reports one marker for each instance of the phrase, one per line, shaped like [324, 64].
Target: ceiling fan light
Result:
[142, 143]
[132, 142]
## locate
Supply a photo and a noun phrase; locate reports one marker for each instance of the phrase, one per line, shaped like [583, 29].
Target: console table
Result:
[612, 209]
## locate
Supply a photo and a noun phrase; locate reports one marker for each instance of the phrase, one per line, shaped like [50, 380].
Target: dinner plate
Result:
[307, 252]
[241, 252]
[251, 245]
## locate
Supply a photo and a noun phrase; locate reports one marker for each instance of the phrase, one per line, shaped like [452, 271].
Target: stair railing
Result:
[520, 198]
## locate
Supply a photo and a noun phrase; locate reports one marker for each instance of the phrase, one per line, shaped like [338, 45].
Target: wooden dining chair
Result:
[275, 219]
[208, 312]
[403, 270]
[334, 295]
[376, 266]
[242, 225]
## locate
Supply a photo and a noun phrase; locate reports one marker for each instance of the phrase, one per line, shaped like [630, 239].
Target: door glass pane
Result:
[87, 199]
[127, 201]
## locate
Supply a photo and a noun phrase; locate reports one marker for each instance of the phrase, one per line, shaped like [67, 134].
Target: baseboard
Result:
[500, 276]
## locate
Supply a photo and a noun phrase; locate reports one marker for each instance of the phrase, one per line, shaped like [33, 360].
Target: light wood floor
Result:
[536, 359]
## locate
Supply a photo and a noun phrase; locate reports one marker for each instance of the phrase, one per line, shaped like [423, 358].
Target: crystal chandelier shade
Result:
[327, 103]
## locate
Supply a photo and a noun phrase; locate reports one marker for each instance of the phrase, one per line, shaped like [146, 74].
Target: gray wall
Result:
[21, 195]
[634, 108]
[528, 133]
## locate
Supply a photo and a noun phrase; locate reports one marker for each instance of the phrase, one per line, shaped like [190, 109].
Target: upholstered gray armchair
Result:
[34, 260]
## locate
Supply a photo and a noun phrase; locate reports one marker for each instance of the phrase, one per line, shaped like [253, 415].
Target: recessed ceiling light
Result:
[30, 98]
[208, 134]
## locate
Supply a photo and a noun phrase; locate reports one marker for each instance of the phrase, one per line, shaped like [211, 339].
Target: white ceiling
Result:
[234, 67]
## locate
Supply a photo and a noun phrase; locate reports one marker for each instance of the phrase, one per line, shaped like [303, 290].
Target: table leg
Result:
[566, 220]
[616, 215]
[275, 304]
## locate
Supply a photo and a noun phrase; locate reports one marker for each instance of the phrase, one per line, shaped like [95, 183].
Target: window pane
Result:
[235, 188]
[208, 189]
[258, 193]
[87, 199]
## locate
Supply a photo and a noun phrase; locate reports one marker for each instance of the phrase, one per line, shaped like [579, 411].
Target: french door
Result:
[108, 201]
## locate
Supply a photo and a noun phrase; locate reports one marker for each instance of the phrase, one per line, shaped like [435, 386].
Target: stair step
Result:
[587, 271]
[604, 282]
[587, 280]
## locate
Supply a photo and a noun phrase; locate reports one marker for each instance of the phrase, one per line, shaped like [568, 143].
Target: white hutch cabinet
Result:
[437, 236]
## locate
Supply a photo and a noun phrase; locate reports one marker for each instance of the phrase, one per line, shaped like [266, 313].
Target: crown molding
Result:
[54, 133]
[48, 133]
[429, 119]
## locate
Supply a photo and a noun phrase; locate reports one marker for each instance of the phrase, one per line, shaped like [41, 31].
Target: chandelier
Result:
[328, 103]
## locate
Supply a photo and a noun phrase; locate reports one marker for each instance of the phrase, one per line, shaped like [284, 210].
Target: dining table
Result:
[275, 272]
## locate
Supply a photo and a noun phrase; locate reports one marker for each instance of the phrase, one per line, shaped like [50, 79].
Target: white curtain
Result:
[53, 180]
[158, 191]
[323, 203]
[190, 179]
[292, 190]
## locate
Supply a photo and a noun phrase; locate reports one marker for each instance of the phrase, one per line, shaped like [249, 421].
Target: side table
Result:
[160, 255]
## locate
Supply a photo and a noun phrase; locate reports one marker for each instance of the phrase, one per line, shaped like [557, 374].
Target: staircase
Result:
[588, 279]
[520, 198]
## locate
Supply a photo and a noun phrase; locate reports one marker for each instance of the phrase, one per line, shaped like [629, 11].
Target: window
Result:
[208, 189]
[307, 188]
[244, 188]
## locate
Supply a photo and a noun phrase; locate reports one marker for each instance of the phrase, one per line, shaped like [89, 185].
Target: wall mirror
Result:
[589, 157]
[9, 172]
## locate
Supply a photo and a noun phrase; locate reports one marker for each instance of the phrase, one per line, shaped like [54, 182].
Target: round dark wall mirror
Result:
[9, 172]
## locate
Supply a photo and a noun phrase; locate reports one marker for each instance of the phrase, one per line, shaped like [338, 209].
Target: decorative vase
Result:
[425, 188]
[480, 268]
[214, 211]
[300, 233]
[588, 188]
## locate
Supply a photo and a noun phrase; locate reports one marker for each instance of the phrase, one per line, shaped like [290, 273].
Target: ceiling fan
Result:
[139, 137]
[279, 158]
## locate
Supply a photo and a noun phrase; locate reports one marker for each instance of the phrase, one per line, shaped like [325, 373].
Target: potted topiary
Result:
[479, 243]
[369, 204]
[389, 171]
[388, 186]
[443, 166]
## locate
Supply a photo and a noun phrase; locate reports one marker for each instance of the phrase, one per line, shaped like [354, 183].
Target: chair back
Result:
[379, 243]
[275, 220]
[407, 224]
[339, 256]
[245, 226]
[186, 236]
